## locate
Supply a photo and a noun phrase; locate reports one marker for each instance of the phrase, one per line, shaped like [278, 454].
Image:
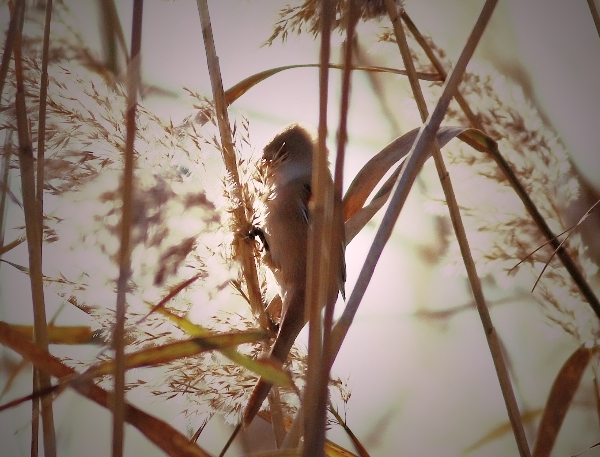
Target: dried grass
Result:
[185, 223]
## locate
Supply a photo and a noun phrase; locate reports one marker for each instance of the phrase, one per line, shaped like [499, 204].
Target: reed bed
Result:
[145, 226]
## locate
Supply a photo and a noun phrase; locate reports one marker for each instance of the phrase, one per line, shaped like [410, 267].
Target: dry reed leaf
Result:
[559, 400]
[357, 216]
[501, 430]
[172, 351]
[239, 89]
[78, 334]
[157, 431]
[262, 367]
[373, 171]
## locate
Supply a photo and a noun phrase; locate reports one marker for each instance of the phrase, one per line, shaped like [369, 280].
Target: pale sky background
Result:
[437, 394]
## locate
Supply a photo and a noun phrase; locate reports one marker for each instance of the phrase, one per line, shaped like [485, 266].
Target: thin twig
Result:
[342, 136]
[523, 260]
[563, 242]
[510, 175]
[568, 231]
[459, 230]
[127, 189]
[33, 231]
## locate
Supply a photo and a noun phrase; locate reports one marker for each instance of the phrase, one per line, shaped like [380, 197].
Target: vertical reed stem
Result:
[33, 229]
[245, 250]
[5, 173]
[413, 164]
[127, 189]
[318, 272]
[42, 116]
[459, 229]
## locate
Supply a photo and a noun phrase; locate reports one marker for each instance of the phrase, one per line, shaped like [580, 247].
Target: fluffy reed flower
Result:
[182, 226]
[503, 238]
[305, 17]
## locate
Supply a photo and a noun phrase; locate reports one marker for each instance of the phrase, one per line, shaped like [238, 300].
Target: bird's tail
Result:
[260, 392]
[291, 324]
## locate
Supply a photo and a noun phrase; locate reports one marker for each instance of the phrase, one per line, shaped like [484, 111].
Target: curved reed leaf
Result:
[262, 367]
[355, 214]
[564, 387]
[239, 89]
[160, 433]
[178, 349]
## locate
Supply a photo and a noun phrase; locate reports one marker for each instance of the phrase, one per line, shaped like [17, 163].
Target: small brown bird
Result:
[285, 233]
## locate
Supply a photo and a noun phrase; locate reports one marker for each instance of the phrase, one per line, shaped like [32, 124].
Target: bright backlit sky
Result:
[550, 45]
[439, 394]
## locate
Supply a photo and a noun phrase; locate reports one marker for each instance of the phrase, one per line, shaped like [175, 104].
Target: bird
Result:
[288, 160]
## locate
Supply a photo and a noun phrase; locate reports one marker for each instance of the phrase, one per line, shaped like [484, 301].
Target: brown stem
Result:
[245, 252]
[459, 229]
[42, 117]
[127, 189]
[33, 229]
[595, 15]
[317, 266]
[5, 173]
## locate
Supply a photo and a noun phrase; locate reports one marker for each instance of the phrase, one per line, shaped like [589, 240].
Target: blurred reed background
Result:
[415, 360]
